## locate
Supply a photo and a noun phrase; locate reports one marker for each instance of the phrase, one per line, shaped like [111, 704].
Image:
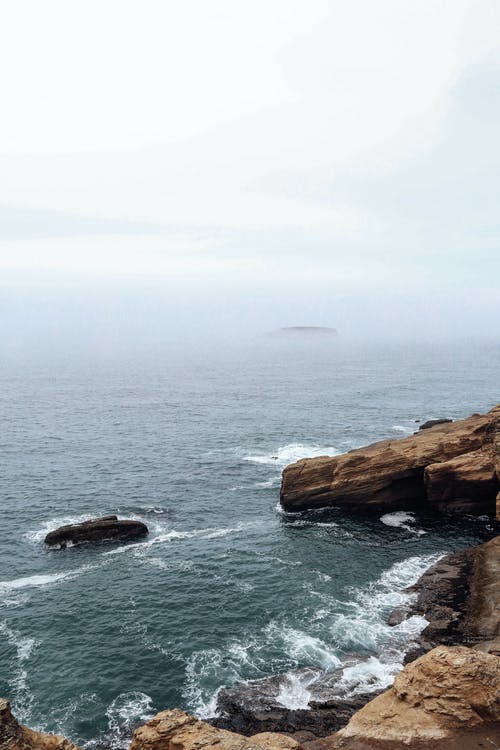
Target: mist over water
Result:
[192, 441]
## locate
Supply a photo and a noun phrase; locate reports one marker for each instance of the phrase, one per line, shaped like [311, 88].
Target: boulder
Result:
[15, 736]
[177, 730]
[108, 528]
[391, 474]
[442, 696]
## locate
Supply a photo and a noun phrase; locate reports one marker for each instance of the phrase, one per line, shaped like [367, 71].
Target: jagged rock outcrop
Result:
[460, 597]
[452, 466]
[256, 705]
[177, 730]
[108, 528]
[14, 736]
[442, 696]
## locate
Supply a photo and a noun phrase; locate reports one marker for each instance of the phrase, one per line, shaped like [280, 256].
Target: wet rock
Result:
[108, 528]
[460, 597]
[434, 423]
[407, 473]
[15, 736]
[255, 706]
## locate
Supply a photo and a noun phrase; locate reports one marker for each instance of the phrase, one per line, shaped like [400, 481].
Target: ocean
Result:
[192, 441]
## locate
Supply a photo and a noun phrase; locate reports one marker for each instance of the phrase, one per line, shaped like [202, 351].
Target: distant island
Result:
[310, 329]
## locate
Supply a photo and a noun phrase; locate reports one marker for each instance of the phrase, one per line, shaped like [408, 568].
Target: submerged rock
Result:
[451, 467]
[108, 528]
[15, 736]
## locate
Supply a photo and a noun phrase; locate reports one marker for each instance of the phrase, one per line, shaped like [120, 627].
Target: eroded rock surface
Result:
[177, 730]
[452, 466]
[15, 736]
[441, 696]
[108, 528]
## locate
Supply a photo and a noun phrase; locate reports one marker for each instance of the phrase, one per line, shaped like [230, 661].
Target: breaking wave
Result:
[403, 520]
[290, 453]
[334, 628]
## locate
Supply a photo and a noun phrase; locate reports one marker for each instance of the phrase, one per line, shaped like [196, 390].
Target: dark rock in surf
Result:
[433, 423]
[254, 707]
[459, 597]
[108, 528]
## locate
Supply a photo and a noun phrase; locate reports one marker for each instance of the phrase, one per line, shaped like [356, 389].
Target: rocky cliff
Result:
[448, 467]
[14, 736]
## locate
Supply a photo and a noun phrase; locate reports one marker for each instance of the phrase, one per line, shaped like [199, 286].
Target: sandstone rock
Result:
[14, 736]
[390, 475]
[108, 528]
[176, 730]
[441, 695]
[272, 740]
[466, 483]
[433, 423]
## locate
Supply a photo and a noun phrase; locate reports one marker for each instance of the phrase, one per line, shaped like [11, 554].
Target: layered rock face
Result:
[108, 528]
[452, 466]
[446, 694]
[176, 730]
[14, 736]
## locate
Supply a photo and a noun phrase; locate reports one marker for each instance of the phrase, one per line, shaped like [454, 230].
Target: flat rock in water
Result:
[108, 528]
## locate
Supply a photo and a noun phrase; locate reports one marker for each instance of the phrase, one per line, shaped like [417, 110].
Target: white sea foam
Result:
[335, 627]
[288, 454]
[43, 579]
[403, 520]
[400, 428]
[274, 482]
[22, 697]
[294, 693]
[35, 536]
[173, 536]
[124, 712]
[306, 649]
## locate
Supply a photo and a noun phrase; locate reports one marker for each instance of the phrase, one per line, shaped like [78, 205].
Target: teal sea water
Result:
[226, 588]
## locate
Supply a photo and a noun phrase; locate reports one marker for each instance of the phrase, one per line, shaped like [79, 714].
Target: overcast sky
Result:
[250, 165]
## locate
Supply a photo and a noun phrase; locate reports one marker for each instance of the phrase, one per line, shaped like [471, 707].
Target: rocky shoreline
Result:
[448, 694]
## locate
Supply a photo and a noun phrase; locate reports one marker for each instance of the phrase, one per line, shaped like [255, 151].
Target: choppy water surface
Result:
[225, 588]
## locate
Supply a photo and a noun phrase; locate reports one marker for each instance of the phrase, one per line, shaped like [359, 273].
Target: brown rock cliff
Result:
[452, 466]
